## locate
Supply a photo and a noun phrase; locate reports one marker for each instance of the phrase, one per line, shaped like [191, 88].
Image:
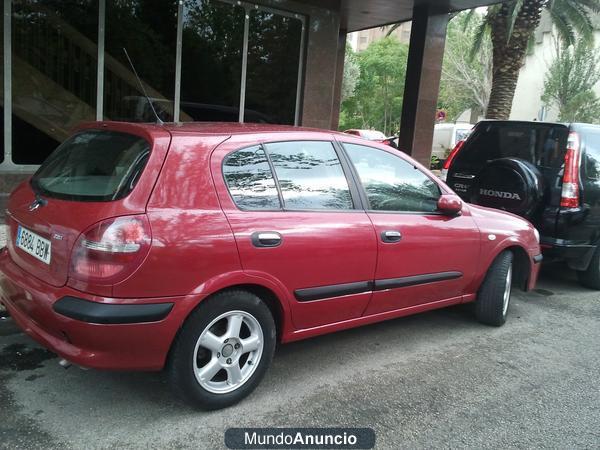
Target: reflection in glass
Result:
[250, 181]
[592, 153]
[148, 30]
[273, 57]
[54, 63]
[310, 175]
[2, 94]
[211, 63]
[393, 184]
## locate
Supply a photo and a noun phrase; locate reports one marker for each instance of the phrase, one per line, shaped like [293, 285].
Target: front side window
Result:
[93, 166]
[391, 183]
[310, 175]
[249, 179]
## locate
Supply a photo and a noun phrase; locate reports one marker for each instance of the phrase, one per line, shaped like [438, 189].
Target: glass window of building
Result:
[2, 93]
[274, 43]
[148, 30]
[211, 61]
[54, 65]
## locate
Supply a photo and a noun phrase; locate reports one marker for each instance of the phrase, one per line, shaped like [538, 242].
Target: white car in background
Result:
[446, 136]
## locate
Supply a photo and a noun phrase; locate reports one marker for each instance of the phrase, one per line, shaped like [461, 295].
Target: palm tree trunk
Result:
[509, 54]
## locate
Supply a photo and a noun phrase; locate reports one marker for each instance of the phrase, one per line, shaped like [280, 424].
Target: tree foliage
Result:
[377, 99]
[570, 81]
[511, 26]
[466, 81]
[351, 74]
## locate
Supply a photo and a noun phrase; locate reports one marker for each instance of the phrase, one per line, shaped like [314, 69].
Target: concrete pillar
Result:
[423, 72]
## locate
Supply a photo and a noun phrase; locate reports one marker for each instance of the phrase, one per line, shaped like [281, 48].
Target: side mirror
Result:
[450, 204]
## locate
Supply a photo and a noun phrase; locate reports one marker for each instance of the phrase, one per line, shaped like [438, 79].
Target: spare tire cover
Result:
[510, 184]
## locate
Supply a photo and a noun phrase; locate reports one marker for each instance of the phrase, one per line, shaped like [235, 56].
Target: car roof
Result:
[209, 128]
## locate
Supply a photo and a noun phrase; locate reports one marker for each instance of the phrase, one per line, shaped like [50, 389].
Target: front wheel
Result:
[493, 298]
[223, 350]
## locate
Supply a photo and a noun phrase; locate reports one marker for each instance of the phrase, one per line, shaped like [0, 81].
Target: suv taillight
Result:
[569, 197]
[111, 250]
[449, 159]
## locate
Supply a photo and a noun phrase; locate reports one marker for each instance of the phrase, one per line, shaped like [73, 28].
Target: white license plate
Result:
[34, 244]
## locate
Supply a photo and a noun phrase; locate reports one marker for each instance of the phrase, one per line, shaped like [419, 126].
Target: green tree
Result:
[351, 73]
[466, 82]
[377, 100]
[570, 81]
[511, 26]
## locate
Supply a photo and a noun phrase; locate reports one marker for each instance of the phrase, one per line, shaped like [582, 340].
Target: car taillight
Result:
[569, 197]
[111, 250]
[449, 159]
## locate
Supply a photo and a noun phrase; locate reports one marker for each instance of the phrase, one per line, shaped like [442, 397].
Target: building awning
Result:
[361, 14]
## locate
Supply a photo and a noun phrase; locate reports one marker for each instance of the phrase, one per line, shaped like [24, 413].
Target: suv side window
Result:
[592, 153]
[391, 183]
[310, 175]
[250, 180]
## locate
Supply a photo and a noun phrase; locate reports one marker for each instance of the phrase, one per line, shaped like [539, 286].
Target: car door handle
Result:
[266, 239]
[466, 176]
[391, 236]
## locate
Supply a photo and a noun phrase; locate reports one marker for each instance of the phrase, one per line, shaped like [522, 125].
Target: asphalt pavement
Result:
[434, 380]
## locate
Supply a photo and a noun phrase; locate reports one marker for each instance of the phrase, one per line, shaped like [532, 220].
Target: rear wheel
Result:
[493, 298]
[223, 350]
[591, 277]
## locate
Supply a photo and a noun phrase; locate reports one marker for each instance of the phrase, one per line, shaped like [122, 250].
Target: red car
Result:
[198, 247]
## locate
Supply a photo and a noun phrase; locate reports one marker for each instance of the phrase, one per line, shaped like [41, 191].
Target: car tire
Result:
[493, 298]
[590, 277]
[223, 350]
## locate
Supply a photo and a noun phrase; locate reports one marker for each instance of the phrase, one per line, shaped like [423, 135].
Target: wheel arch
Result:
[521, 265]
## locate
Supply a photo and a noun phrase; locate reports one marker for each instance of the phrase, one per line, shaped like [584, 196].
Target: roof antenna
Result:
[158, 120]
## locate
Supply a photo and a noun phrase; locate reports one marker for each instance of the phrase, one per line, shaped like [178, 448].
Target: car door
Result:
[423, 256]
[292, 211]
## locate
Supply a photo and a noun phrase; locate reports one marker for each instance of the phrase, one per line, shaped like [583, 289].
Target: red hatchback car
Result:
[198, 247]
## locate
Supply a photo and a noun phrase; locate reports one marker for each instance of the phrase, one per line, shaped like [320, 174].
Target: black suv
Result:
[548, 173]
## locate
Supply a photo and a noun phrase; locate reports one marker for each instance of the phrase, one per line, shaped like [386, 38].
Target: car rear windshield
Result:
[541, 144]
[93, 165]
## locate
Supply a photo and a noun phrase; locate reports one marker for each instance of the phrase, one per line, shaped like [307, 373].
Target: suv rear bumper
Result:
[91, 331]
[577, 256]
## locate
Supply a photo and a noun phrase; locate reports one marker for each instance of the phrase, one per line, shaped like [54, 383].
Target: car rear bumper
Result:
[91, 331]
[577, 256]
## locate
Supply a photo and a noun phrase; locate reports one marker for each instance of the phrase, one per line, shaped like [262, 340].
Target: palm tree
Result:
[511, 27]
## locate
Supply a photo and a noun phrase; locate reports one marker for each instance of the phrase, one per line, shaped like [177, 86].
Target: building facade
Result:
[527, 103]
[360, 40]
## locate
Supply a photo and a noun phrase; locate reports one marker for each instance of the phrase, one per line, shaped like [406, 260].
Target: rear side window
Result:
[249, 179]
[310, 175]
[391, 183]
[541, 144]
[592, 153]
[92, 166]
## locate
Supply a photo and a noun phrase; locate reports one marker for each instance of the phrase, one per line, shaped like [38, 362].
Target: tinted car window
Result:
[541, 144]
[391, 183]
[310, 175]
[93, 166]
[592, 153]
[250, 180]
